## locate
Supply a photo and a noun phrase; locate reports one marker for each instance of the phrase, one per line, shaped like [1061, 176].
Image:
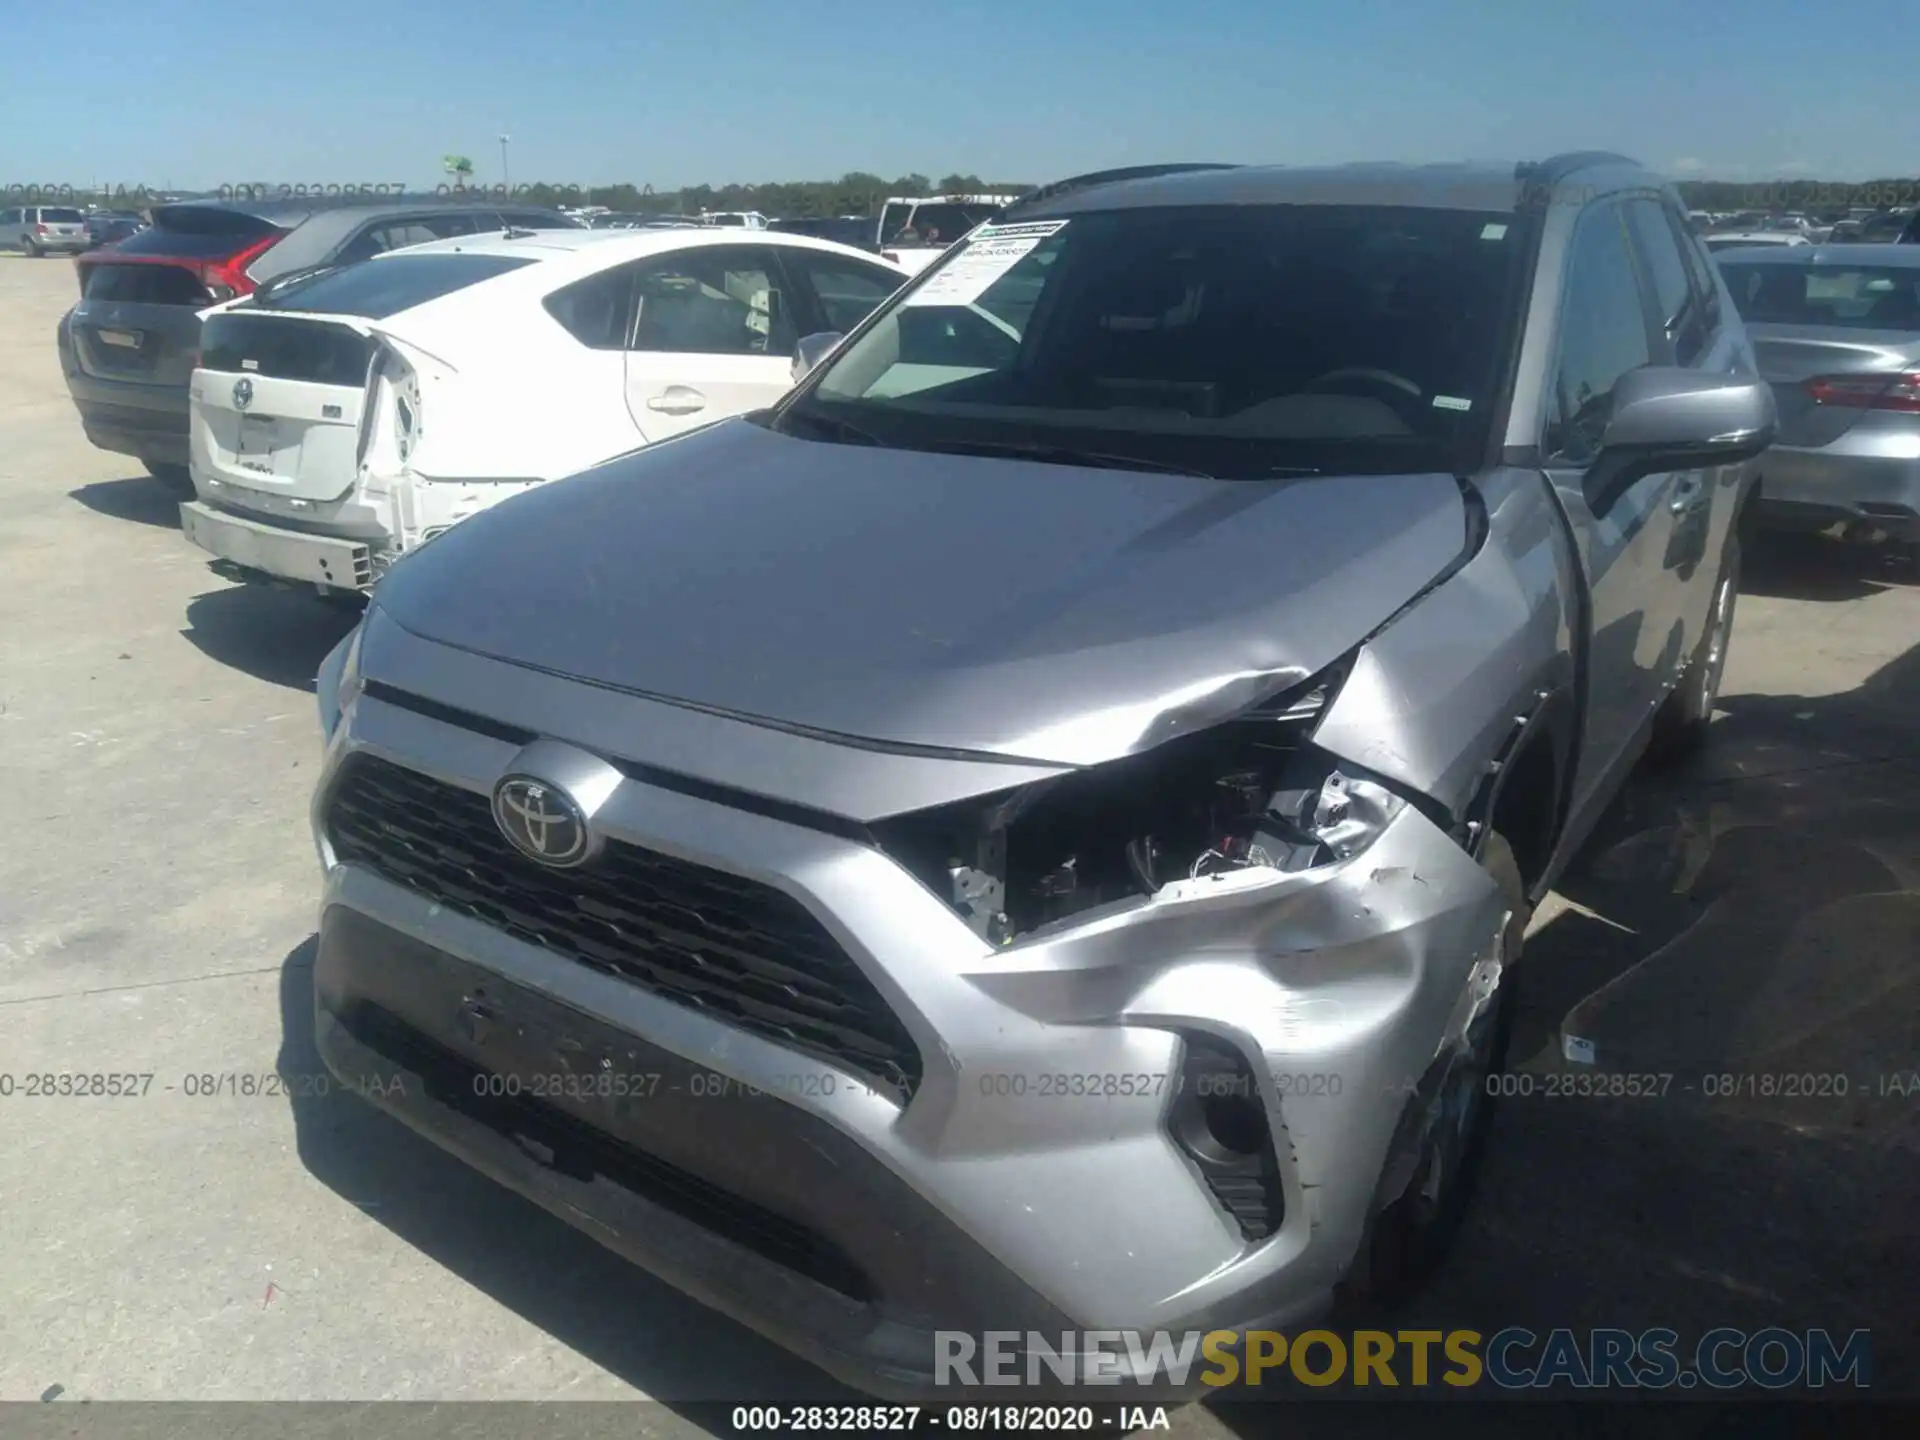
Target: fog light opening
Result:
[1219, 1119]
[1237, 1124]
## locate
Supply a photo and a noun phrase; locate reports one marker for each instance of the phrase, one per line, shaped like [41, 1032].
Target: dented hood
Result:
[1040, 611]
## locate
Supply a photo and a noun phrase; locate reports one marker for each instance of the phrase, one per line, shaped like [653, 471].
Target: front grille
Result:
[739, 950]
[582, 1151]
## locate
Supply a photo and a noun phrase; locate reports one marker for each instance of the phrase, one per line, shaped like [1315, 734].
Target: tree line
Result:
[855, 193]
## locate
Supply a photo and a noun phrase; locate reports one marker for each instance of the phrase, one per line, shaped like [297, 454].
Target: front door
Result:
[1624, 546]
[712, 337]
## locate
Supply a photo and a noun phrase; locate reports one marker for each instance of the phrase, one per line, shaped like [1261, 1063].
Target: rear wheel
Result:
[31, 247]
[176, 478]
[1680, 728]
[1435, 1157]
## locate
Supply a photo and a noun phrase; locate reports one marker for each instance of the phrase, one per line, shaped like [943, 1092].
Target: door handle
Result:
[678, 400]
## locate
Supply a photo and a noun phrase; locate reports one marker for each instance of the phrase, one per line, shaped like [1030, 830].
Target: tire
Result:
[31, 250]
[176, 478]
[1434, 1161]
[1680, 729]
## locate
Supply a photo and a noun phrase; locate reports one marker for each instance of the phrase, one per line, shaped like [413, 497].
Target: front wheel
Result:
[1435, 1157]
[1680, 729]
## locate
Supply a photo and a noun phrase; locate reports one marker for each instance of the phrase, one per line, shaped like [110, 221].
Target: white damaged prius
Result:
[341, 417]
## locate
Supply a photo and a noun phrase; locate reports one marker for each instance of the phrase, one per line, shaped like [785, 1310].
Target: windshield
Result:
[1229, 340]
[1856, 298]
[378, 288]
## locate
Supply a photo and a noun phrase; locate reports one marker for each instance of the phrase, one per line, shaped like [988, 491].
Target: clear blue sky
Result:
[208, 92]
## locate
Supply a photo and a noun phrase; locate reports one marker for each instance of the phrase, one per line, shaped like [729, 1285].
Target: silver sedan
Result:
[1836, 330]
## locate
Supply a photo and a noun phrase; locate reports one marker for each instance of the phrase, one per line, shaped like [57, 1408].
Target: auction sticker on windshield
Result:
[991, 252]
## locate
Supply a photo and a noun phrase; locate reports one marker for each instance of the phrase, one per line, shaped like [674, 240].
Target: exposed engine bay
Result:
[1250, 793]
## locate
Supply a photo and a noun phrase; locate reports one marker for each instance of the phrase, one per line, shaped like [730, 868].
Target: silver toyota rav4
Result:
[1033, 832]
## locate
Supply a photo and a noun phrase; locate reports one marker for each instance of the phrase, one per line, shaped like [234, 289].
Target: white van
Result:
[914, 231]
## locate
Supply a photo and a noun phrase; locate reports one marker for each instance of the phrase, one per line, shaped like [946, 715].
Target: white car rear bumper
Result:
[285, 554]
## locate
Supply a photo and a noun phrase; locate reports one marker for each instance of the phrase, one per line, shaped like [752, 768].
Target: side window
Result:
[595, 311]
[1603, 335]
[1679, 312]
[720, 300]
[9, 217]
[396, 234]
[445, 227]
[363, 246]
[846, 289]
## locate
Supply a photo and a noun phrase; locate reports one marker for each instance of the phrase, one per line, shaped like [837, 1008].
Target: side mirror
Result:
[1667, 418]
[811, 350]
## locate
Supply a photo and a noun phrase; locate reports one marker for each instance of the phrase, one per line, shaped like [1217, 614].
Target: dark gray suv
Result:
[130, 345]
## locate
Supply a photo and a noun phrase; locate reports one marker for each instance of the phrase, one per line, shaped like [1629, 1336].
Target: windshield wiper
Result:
[1062, 455]
[280, 284]
[826, 424]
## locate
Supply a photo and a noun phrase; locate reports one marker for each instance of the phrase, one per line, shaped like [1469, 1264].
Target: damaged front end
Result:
[1319, 940]
[1251, 793]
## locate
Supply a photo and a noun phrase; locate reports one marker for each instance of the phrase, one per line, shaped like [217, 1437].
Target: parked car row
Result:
[129, 347]
[1859, 225]
[343, 417]
[910, 231]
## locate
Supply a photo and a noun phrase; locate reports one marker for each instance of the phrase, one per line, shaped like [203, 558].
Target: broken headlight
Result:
[1249, 792]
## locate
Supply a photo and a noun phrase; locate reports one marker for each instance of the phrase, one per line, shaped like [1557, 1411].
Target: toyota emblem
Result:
[541, 821]
[242, 393]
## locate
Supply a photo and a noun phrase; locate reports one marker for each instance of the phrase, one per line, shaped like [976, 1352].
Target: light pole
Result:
[506, 177]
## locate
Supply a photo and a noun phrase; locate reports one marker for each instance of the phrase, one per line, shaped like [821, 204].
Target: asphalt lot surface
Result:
[1757, 913]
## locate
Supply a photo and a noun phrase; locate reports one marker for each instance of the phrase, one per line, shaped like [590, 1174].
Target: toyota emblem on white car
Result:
[541, 821]
[242, 393]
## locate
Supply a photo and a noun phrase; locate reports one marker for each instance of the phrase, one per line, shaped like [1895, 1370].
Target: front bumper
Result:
[740, 1201]
[1870, 477]
[273, 550]
[968, 1207]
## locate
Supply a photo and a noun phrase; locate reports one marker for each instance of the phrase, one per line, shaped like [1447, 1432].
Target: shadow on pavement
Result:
[1746, 935]
[141, 498]
[585, 1296]
[1813, 567]
[275, 635]
[1743, 934]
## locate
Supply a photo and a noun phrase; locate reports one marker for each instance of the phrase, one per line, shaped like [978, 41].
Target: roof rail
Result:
[1557, 167]
[1109, 177]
